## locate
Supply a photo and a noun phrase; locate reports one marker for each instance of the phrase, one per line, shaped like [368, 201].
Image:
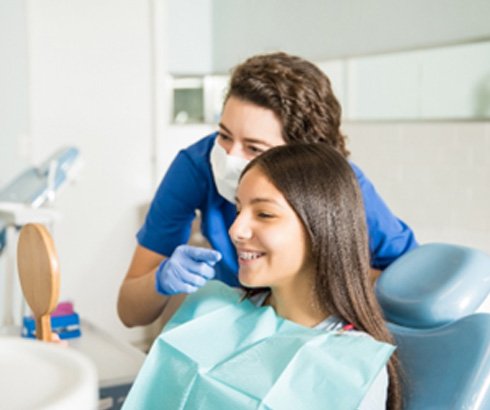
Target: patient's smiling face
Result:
[270, 239]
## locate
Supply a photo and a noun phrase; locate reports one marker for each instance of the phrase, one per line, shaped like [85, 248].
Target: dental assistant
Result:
[273, 99]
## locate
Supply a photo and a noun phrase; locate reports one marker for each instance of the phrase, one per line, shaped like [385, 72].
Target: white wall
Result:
[189, 36]
[90, 77]
[329, 29]
[435, 176]
[14, 108]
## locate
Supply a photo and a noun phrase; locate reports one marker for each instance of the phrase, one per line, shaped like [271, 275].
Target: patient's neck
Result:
[297, 303]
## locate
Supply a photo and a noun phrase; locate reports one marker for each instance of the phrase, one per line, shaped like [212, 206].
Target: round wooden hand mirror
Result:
[39, 275]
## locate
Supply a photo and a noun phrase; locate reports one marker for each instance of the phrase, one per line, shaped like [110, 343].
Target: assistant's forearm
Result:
[139, 303]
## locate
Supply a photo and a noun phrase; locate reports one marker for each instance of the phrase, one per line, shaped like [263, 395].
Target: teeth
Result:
[249, 255]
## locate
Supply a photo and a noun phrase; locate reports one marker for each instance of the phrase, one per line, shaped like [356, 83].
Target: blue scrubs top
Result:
[188, 185]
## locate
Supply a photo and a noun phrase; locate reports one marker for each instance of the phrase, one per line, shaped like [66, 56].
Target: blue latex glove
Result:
[187, 270]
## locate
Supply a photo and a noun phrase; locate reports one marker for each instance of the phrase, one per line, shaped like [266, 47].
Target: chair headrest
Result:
[433, 285]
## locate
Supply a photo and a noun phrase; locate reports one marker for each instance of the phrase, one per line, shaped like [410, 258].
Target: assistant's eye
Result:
[224, 137]
[255, 151]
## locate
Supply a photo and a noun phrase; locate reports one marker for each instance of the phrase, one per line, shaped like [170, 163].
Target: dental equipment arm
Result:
[37, 185]
[34, 187]
[20, 203]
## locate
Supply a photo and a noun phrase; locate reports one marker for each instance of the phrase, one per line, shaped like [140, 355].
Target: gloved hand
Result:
[188, 269]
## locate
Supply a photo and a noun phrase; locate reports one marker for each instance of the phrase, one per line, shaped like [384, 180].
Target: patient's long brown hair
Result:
[321, 187]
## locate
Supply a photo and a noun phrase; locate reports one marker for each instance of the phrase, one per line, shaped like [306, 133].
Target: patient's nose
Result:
[240, 229]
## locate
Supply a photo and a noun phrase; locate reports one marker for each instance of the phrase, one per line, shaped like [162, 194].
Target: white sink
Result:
[38, 375]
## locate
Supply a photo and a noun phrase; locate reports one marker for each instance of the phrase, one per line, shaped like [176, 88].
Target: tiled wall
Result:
[434, 175]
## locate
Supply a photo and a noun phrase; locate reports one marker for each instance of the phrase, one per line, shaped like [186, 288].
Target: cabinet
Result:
[197, 99]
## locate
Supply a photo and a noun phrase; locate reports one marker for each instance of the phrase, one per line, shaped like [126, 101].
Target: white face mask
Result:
[226, 171]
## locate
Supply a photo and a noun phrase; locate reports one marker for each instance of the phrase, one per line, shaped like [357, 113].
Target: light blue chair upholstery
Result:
[429, 297]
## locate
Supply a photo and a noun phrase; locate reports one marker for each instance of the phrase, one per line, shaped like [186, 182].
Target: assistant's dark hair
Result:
[297, 91]
[321, 187]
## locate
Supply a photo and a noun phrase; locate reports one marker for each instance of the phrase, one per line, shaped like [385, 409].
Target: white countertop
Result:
[116, 362]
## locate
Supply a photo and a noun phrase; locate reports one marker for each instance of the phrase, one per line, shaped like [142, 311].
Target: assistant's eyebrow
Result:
[221, 125]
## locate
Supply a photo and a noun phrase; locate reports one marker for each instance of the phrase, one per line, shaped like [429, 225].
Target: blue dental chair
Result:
[435, 301]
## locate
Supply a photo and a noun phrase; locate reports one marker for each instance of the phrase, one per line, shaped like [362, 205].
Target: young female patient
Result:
[307, 307]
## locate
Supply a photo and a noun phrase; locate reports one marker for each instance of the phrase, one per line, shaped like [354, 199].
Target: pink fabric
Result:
[63, 309]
